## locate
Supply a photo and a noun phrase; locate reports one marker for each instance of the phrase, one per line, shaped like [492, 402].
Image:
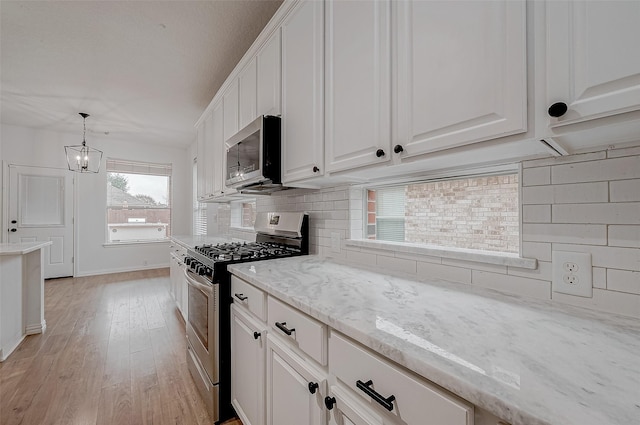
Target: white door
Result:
[593, 59]
[302, 92]
[41, 209]
[357, 81]
[247, 367]
[461, 73]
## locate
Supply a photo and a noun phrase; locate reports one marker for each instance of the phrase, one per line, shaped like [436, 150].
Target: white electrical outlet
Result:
[571, 273]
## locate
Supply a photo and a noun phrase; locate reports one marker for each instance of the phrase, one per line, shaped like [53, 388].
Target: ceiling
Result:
[144, 70]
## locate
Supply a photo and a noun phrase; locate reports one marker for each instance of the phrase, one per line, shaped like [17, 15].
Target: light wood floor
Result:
[113, 353]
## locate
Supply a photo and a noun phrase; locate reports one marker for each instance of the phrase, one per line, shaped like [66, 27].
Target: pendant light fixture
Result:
[82, 158]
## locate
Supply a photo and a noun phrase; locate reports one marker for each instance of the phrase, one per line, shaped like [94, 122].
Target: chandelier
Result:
[82, 158]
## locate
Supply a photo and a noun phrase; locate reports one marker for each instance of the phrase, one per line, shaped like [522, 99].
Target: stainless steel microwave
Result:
[253, 157]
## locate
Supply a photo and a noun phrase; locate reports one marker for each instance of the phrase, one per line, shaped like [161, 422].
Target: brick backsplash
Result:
[583, 203]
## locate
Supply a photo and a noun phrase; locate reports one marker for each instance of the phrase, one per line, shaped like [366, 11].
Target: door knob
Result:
[329, 402]
[398, 148]
[379, 153]
[315, 169]
[256, 335]
[313, 386]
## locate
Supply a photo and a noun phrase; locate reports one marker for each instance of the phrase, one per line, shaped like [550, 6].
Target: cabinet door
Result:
[220, 153]
[302, 92]
[269, 76]
[230, 105]
[358, 80]
[247, 367]
[247, 107]
[209, 155]
[200, 158]
[593, 59]
[289, 400]
[461, 72]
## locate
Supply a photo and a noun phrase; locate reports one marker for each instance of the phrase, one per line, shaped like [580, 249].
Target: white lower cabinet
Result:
[248, 338]
[295, 388]
[392, 392]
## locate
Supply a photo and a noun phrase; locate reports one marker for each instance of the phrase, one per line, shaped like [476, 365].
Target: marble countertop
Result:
[529, 362]
[21, 247]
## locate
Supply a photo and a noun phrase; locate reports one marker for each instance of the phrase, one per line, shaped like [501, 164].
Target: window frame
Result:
[445, 252]
[235, 206]
[139, 167]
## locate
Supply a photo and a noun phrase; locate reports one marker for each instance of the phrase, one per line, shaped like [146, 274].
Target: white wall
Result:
[584, 203]
[28, 146]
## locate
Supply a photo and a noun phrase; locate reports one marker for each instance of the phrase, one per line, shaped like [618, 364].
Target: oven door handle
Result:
[206, 289]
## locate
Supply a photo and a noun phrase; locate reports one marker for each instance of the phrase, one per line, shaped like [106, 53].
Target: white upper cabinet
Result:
[461, 73]
[247, 107]
[269, 76]
[302, 92]
[210, 148]
[593, 59]
[358, 80]
[219, 151]
[200, 161]
[230, 105]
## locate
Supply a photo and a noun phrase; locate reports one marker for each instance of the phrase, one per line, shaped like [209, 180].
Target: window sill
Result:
[115, 244]
[502, 259]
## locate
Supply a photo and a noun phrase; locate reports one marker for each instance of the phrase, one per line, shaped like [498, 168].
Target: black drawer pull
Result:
[387, 403]
[282, 326]
[256, 335]
[241, 297]
[313, 386]
[329, 402]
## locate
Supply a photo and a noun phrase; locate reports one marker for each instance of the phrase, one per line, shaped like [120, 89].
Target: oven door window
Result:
[198, 315]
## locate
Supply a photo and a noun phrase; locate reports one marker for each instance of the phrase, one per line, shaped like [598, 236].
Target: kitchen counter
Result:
[21, 293]
[529, 362]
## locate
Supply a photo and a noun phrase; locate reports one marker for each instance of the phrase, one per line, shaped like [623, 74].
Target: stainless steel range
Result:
[278, 235]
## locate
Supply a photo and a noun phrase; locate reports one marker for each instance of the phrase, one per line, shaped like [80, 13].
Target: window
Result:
[138, 201]
[199, 208]
[243, 213]
[475, 213]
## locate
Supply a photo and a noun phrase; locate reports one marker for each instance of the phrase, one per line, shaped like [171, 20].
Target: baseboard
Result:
[36, 329]
[121, 270]
[4, 353]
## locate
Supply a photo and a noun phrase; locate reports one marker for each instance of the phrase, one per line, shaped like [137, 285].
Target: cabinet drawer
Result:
[302, 331]
[249, 297]
[414, 401]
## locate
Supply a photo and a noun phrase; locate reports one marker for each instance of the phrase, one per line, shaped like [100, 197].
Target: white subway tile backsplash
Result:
[609, 213]
[625, 190]
[588, 234]
[543, 272]
[536, 176]
[495, 268]
[536, 213]
[358, 257]
[577, 193]
[396, 264]
[609, 169]
[623, 281]
[512, 284]
[624, 236]
[604, 300]
[565, 159]
[444, 272]
[341, 205]
[616, 153]
[599, 277]
[605, 256]
[537, 195]
[538, 250]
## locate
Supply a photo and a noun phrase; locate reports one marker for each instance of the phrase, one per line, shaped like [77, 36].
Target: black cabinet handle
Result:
[241, 297]
[365, 387]
[558, 109]
[379, 153]
[329, 402]
[256, 335]
[14, 230]
[398, 148]
[313, 386]
[315, 169]
[282, 326]
[13, 222]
